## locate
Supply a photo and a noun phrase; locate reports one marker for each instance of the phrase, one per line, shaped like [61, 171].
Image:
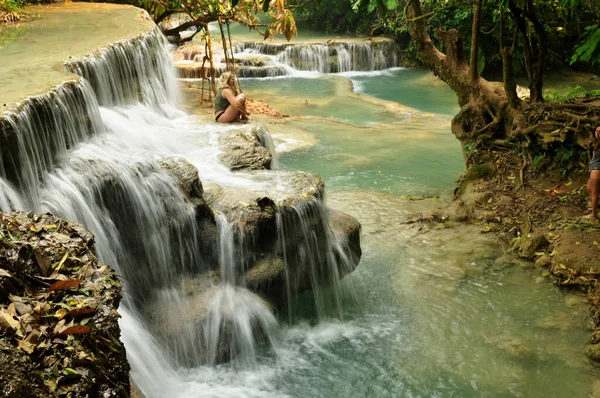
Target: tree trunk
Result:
[534, 47]
[482, 103]
[540, 42]
[473, 70]
[492, 113]
[510, 87]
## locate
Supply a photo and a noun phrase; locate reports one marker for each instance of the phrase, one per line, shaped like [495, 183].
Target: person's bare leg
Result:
[594, 190]
[230, 115]
[242, 100]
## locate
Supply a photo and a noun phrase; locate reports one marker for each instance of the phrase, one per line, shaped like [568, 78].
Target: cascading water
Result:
[120, 76]
[320, 252]
[42, 131]
[88, 152]
[258, 60]
[334, 57]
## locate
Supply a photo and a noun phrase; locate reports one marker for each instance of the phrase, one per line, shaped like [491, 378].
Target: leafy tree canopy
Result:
[279, 19]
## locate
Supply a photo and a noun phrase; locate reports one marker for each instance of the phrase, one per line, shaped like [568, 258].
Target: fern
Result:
[588, 50]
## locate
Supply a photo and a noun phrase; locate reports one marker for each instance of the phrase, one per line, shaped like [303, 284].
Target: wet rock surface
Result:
[244, 150]
[58, 312]
[185, 173]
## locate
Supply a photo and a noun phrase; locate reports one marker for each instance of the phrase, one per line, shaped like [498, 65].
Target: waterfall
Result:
[89, 151]
[344, 60]
[42, 131]
[257, 60]
[317, 250]
[330, 57]
[267, 141]
[130, 72]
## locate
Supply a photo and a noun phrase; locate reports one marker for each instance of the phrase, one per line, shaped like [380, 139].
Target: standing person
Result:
[229, 107]
[593, 185]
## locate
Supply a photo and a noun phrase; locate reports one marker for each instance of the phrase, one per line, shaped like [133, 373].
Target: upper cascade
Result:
[35, 135]
[282, 59]
[329, 57]
[121, 74]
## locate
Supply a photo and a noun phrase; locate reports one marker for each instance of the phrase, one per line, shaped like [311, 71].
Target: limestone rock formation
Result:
[244, 150]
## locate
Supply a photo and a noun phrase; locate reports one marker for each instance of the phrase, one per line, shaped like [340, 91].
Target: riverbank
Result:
[536, 213]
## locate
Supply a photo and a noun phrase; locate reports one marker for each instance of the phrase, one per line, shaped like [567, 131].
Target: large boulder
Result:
[285, 227]
[245, 149]
[346, 231]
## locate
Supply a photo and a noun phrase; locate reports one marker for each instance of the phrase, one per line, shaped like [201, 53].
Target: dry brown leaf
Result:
[12, 309]
[61, 313]
[81, 311]
[77, 329]
[63, 285]
[43, 261]
[8, 322]
[26, 346]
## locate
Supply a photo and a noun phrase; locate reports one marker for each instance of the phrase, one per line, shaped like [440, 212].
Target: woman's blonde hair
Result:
[223, 81]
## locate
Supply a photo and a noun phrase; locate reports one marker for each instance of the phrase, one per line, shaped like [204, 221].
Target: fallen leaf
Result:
[61, 313]
[43, 261]
[63, 285]
[81, 311]
[62, 261]
[26, 346]
[77, 329]
[8, 322]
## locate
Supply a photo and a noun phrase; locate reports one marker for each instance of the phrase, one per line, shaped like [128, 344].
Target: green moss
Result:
[484, 171]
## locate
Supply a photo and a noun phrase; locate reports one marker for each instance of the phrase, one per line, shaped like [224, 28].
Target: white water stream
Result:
[95, 162]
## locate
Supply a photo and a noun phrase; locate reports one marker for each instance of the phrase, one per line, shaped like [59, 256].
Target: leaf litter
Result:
[58, 307]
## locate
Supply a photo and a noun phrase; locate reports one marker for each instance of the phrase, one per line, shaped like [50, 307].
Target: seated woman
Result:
[229, 107]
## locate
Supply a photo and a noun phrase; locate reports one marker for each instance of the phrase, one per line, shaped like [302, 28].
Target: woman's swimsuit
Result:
[221, 104]
[595, 162]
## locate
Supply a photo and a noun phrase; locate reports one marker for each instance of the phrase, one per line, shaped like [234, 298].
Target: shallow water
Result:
[365, 142]
[442, 313]
[32, 53]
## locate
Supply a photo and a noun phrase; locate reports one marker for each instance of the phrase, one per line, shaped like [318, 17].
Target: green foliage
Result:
[563, 158]
[567, 158]
[538, 160]
[553, 95]
[564, 154]
[280, 20]
[589, 49]
[12, 5]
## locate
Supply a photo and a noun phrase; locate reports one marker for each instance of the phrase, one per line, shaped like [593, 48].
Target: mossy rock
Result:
[478, 171]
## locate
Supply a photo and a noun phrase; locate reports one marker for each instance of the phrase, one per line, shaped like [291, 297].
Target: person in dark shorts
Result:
[229, 106]
[593, 185]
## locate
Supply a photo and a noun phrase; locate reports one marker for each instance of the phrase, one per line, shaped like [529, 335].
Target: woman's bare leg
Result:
[593, 188]
[231, 114]
[242, 100]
